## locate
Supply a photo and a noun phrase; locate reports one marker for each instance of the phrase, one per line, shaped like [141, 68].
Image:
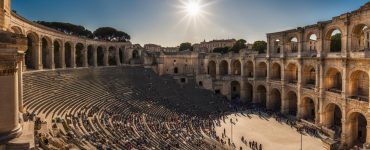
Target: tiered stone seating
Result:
[120, 108]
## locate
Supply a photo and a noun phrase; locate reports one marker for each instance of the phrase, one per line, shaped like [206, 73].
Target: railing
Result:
[335, 90]
[359, 98]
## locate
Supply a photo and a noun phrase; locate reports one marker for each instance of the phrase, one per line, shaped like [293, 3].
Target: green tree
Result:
[260, 46]
[111, 34]
[240, 44]
[186, 46]
[221, 50]
[336, 43]
[68, 28]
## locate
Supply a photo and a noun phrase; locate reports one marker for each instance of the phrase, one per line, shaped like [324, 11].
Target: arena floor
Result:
[271, 134]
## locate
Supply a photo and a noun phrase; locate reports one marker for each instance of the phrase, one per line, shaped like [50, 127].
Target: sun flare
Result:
[193, 8]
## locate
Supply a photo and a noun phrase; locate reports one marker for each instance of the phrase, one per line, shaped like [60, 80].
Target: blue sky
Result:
[163, 21]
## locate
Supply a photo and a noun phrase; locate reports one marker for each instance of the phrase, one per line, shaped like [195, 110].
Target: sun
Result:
[193, 8]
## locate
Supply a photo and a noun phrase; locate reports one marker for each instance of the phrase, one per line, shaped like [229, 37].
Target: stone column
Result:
[317, 77]
[117, 57]
[242, 63]
[321, 92]
[344, 79]
[20, 83]
[38, 56]
[62, 56]
[12, 47]
[229, 69]
[300, 42]
[268, 73]
[95, 56]
[73, 56]
[299, 89]
[106, 57]
[52, 61]
[85, 61]
[218, 70]
[368, 133]
[268, 46]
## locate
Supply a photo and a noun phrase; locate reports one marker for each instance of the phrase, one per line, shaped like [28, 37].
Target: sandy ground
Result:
[270, 133]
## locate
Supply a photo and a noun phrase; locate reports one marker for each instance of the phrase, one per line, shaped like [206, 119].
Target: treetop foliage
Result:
[103, 33]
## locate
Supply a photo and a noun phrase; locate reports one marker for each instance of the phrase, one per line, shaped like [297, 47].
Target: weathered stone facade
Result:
[303, 76]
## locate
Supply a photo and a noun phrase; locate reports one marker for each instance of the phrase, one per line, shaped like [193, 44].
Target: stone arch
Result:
[57, 53]
[357, 128]
[122, 55]
[333, 80]
[275, 100]
[135, 54]
[291, 73]
[68, 54]
[90, 55]
[261, 70]
[175, 70]
[333, 117]
[309, 76]
[276, 71]
[359, 85]
[308, 109]
[292, 101]
[248, 69]
[46, 52]
[292, 44]
[79, 54]
[249, 92]
[112, 56]
[31, 56]
[333, 40]
[212, 68]
[236, 67]
[276, 46]
[235, 90]
[17, 30]
[224, 67]
[100, 55]
[261, 95]
[359, 37]
[311, 42]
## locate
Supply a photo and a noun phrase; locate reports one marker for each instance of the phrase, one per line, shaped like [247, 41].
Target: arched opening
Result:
[212, 69]
[79, 54]
[224, 68]
[277, 46]
[112, 56]
[292, 103]
[68, 54]
[311, 43]
[100, 56]
[333, 80]
[292, 73]
[309, 77]
[57, 52]
[121, 55]
[261, 96]
[276, 72]
[293, 45]
[200, 83]
[236, 67]
[357, 124]
[248, 69]
[334, 41]
[359, 86]
[235, 91]
[359, 41]
[275, 100]
[46, 53]
[308, 109]
[17, 30]
[135, 54]
[90, 55]
[31, 53]
[333, 118]
[262, 70]
[249, 92]
[175, 70]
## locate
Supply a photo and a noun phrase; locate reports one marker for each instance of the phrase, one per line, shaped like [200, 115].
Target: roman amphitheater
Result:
[60, 91]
